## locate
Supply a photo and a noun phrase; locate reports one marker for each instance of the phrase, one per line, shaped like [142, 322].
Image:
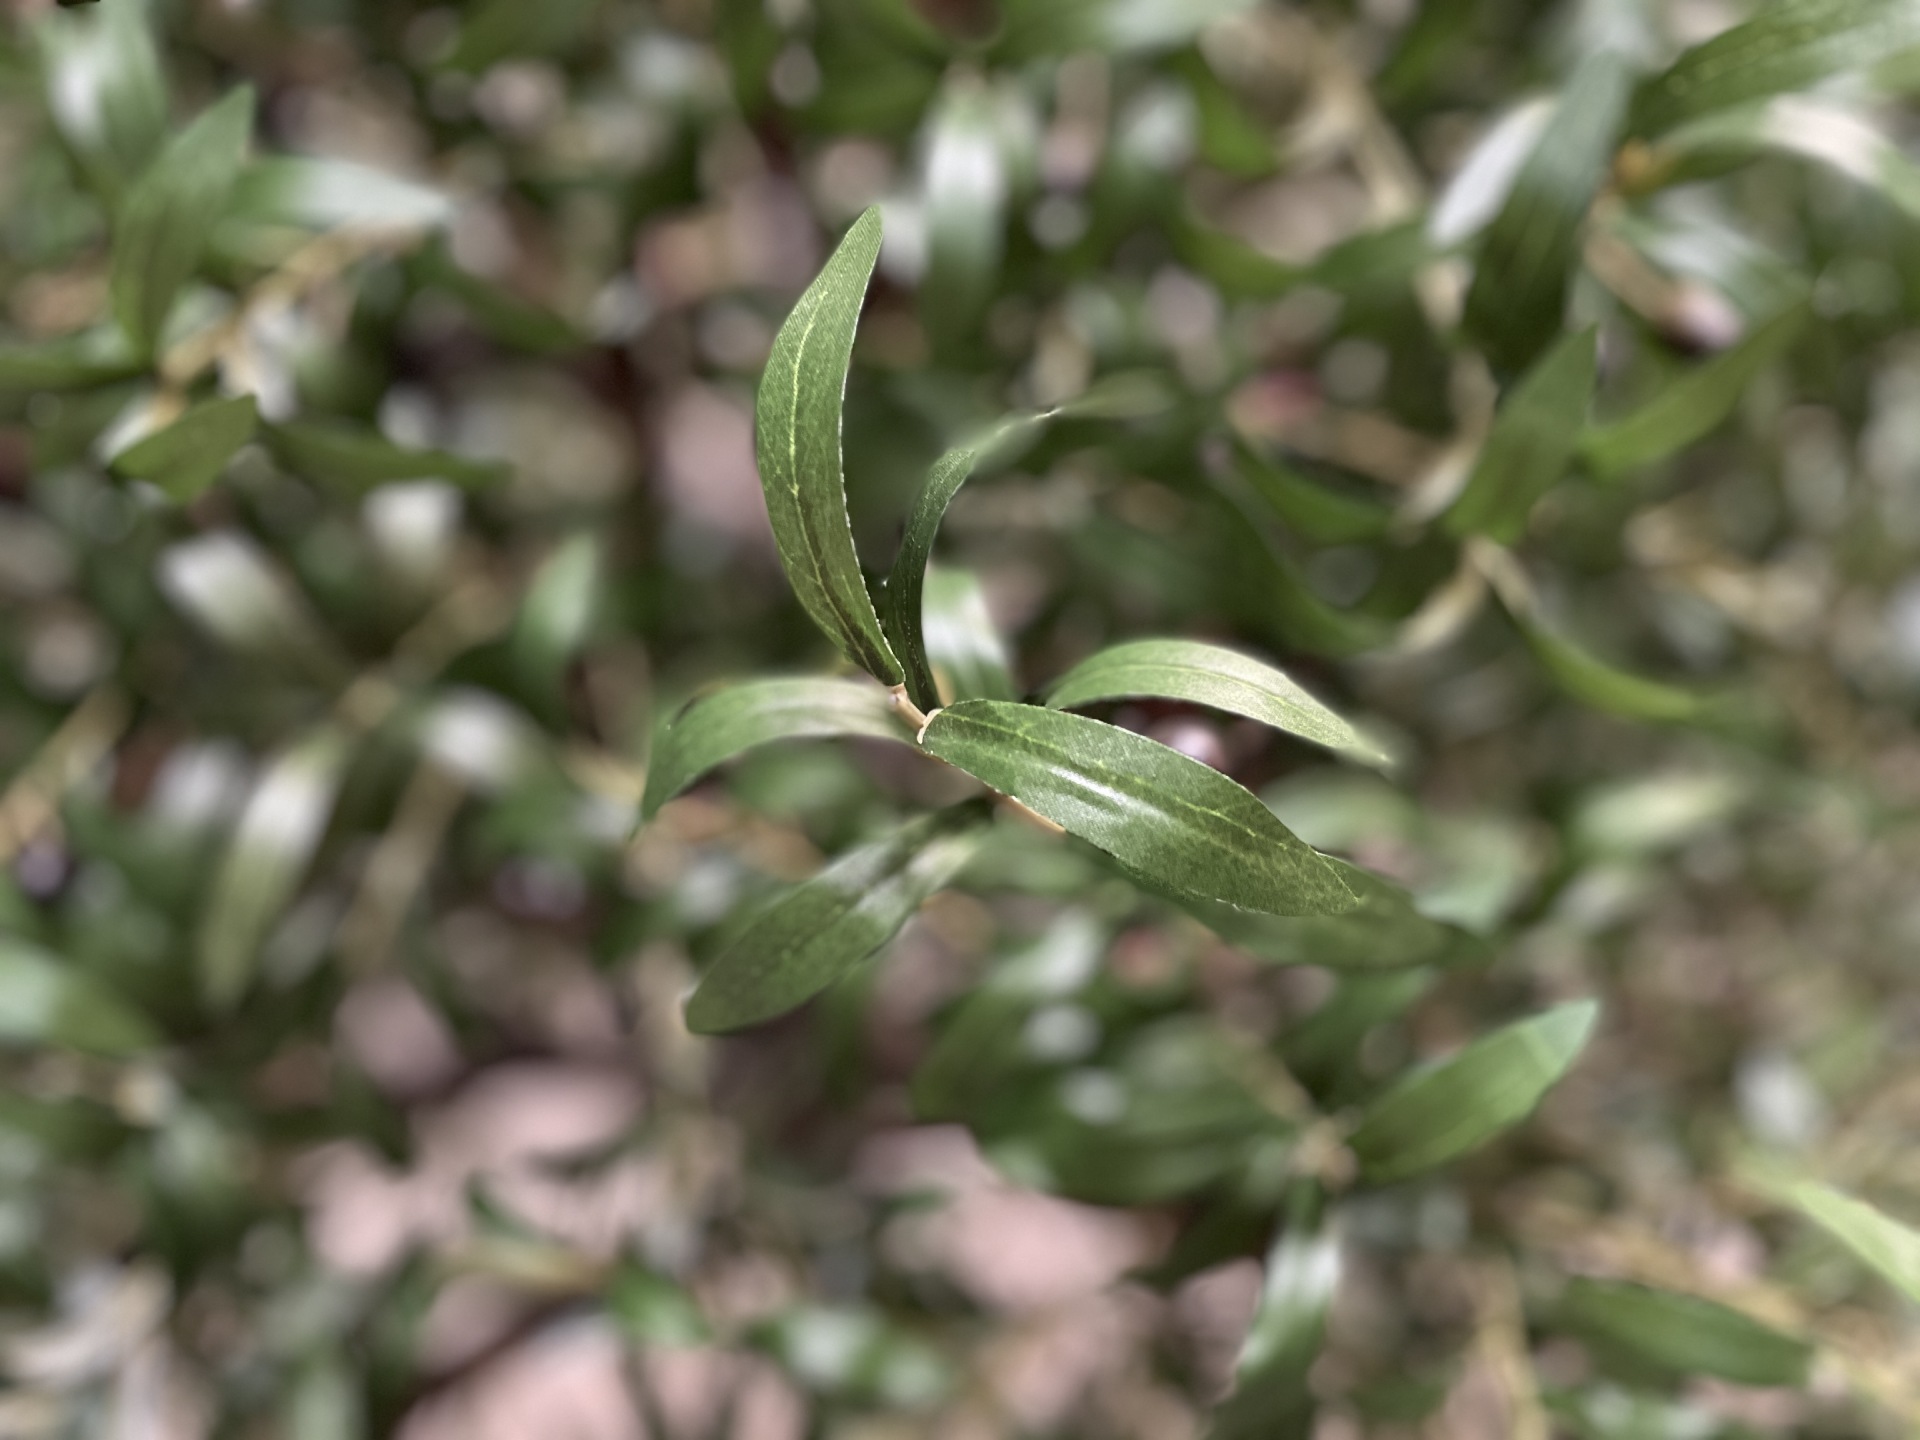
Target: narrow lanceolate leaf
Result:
[273, 844]
[188, 456]
[1531, 444]
[797, 419]
[1683, 1334]
[1592, 681]
[1210, 675]
[1270, 1395]
[730, 722]
[1785, 46]
[821, 929]
[1520, 282]
[903, 611]
[1691, 406]
[45, 1000]
[906, 583]
[1890, 1248]
[1150, 807]
[170, 212]
[1440, 1113]
[73, 362]
[337, 453]
[968, 657]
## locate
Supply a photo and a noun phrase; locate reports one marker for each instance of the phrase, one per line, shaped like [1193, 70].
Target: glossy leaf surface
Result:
[1214, 676]
[798, 441]
[1152, 808]
[729, 722]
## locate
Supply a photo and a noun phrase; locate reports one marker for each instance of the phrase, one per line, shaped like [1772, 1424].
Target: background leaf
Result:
[824, 927]
[188, 455]
[1531, 444]
[1521, 278]
[1439, 1114]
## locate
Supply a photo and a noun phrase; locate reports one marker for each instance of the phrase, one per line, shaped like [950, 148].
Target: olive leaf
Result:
[716, 728]
[1215, 676]
[824, 927]
[1150, 807]
[798, 440]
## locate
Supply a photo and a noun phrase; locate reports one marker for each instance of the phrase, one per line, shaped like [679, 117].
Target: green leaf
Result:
[1520, 282]
[798, 439]
[1150, 807]
[106, 90]
[963, 648]
[1441, 1112]
[1531, 444]
[334, 452]
[1890, 1248]
[1683, 1334]
[1787, 45]
[1592, 681]
[1316, 512]
[320, 194]
[72, 362]
[170, 212]
[903, 607]
[1692, 405]
[279, 832]
[1324, 1050]
[1211, 675]
[44, 1000]
[1270, 1395]
[824, 927]
[188, 456]
[729, 722]
[1830, 134]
